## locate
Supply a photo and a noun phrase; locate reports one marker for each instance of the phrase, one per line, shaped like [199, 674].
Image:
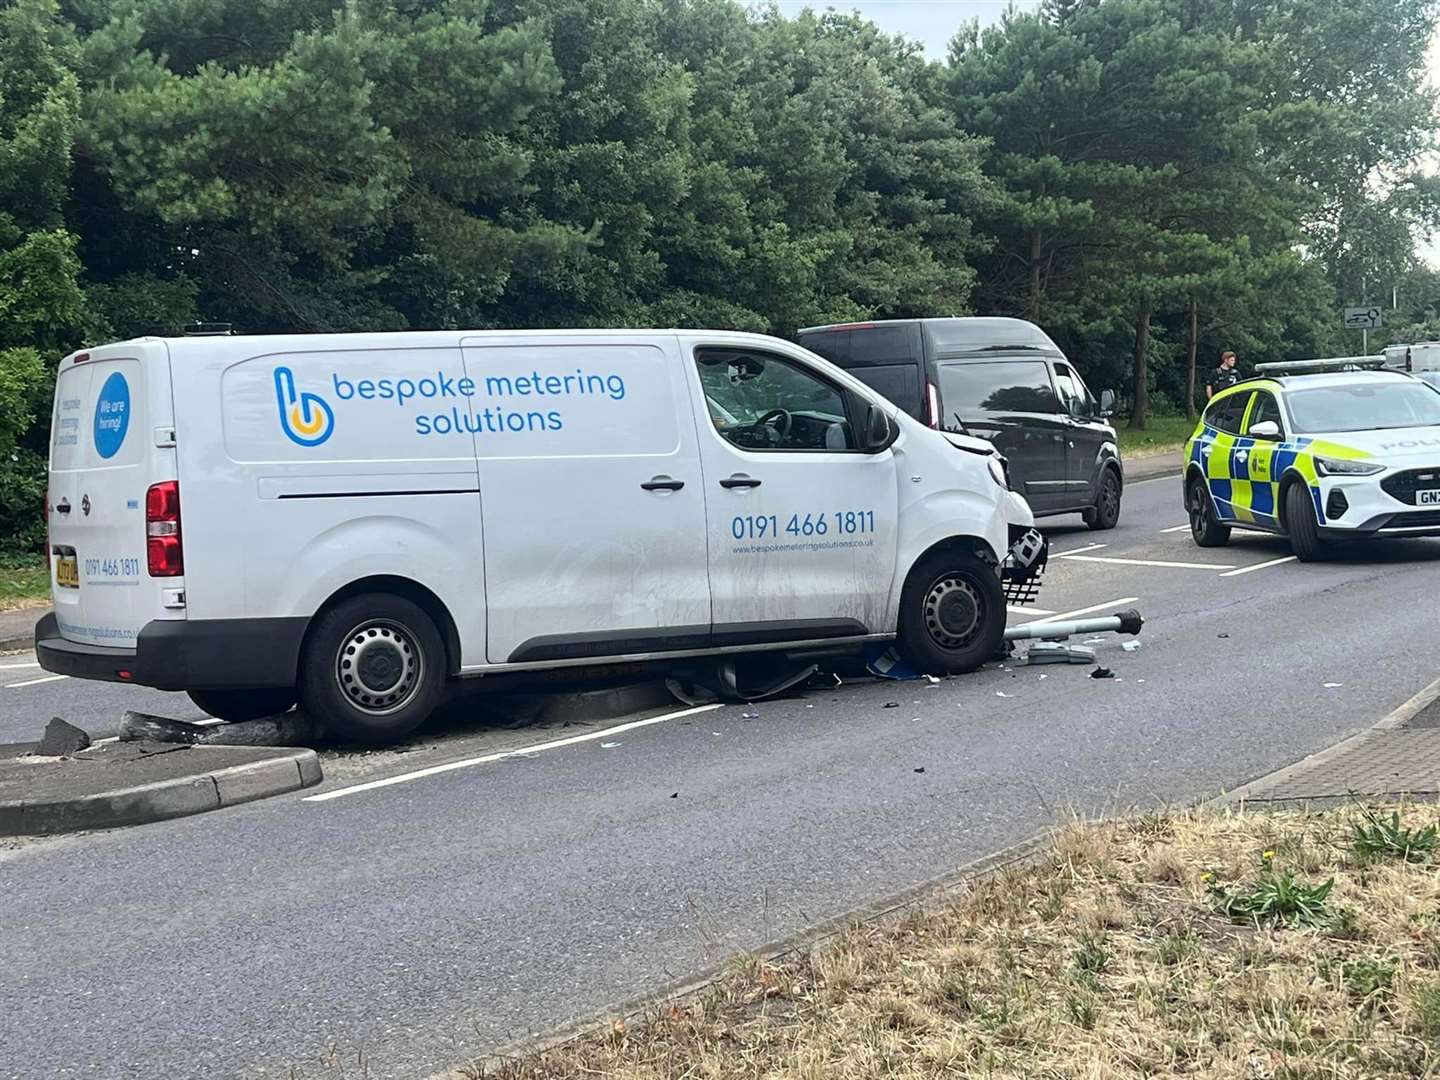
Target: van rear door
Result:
[109, 403]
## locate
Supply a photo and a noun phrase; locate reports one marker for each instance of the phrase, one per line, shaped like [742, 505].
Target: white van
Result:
[352, 520]
[1421, 358]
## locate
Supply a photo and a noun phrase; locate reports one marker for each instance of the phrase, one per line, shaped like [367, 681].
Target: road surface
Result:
[452, 911]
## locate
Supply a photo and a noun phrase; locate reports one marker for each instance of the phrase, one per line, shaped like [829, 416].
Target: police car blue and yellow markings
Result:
[1245, 474]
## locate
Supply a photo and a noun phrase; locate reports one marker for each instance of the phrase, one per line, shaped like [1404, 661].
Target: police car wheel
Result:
[952, 614]
[373, 668]
[1300, 524]
[1205, 530]
[1106, 511]
[237, 706]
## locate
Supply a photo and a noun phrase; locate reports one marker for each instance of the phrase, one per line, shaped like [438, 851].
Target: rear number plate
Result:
[1430, 497]
[67, 572]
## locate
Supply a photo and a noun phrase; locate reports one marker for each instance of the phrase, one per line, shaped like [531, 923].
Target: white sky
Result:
[934, 22]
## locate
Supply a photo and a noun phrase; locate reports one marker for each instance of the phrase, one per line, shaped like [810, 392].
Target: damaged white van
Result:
[351, 521]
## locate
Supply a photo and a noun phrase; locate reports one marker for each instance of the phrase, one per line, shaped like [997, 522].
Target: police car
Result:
[1317, 450]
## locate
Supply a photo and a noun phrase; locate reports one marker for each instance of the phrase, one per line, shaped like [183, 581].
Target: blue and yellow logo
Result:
[305, 418]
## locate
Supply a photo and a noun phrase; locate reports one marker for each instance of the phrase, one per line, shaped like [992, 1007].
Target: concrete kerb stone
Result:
[1254, 791]
[181, 796]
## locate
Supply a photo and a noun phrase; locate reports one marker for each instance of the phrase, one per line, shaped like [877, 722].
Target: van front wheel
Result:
[373, 668]
[237, 706]
[952, 613]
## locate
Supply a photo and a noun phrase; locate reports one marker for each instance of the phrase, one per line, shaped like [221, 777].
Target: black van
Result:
[1000, 379]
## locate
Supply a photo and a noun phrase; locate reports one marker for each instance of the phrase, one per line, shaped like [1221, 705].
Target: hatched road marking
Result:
[35, 682]
[1259, 566]
[555, 744]
[1147, 562]
[1087, 610]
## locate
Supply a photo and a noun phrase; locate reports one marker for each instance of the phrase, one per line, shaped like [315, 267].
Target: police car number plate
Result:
[1430, 497]
[67, 572]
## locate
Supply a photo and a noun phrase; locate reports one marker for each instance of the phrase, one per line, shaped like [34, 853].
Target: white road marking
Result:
[554, 744]
[1259, 566]
[1148, 562]
[12, 667]
[1176, 528]
[1020, 609]
[1076, 551]
[1087, 610]
[35, 682]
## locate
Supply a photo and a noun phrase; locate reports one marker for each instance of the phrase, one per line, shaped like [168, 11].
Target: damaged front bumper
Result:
[1024, 564]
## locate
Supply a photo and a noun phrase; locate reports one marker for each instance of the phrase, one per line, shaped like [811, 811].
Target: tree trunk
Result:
[1140, 409]
[1192, 333]
[1034, 307]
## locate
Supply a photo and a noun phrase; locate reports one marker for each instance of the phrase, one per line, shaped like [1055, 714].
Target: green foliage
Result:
[1277, 897]
[1369, 978]
[1374, 837]
[1153, 181]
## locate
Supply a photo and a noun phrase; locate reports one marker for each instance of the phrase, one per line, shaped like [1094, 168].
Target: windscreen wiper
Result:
[963, 429]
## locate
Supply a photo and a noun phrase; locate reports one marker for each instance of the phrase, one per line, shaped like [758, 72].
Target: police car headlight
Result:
[1336, 467]
[997, 470]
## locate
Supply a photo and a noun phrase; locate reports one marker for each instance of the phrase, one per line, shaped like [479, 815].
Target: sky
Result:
[934, 22]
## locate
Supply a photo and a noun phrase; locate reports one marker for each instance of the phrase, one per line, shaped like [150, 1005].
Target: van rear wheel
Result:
[952, 613]
[237, 706]
[373, 668]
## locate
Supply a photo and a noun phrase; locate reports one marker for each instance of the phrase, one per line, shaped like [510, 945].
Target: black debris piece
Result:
[892, 705]
[62, 739]
[1102, 673]
[920, 769]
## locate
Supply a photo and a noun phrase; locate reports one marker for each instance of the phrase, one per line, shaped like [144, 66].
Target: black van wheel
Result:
[237, 706]
[1205, 530]
[1106, 511]
[373, 668]
[952, 613]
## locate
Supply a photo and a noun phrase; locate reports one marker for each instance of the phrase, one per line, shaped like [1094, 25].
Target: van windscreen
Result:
[1019, 386]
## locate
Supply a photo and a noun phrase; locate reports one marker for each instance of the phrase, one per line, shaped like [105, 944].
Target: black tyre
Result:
[1205, 528]
[1106, 511]
[239, 705]
[1300, 524]
[373, 668]
[952, 614]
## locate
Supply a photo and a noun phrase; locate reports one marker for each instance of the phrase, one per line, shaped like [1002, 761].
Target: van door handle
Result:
[739, 480]
[662, 483]
[63, 506]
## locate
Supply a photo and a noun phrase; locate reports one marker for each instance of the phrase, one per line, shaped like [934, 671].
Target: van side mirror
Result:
[878, 432]
[1107, 403]
[1265, 429]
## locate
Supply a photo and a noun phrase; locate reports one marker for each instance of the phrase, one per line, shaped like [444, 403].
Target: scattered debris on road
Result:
[61, 739]
[1102, 673]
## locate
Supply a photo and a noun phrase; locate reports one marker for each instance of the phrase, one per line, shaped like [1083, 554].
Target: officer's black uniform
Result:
[1223, 378]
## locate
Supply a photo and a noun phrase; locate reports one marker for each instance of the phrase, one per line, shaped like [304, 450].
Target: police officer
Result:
[1224, 376]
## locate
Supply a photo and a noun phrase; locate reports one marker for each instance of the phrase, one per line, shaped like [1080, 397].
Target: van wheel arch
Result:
[969, 545]
[417, 594]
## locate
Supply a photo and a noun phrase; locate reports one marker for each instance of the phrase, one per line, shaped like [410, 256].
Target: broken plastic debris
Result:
[1130, 646]
[1001, 693]
[932, 680]
[749, 716]
[920, 769]
[891, 705]
[1102, 673]
[1333, 685]
[1222, 635]
[608, 745]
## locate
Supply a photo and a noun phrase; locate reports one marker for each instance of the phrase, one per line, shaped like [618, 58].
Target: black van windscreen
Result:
[972, 389]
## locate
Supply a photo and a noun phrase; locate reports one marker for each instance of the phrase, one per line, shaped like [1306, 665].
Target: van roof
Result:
[963, 334]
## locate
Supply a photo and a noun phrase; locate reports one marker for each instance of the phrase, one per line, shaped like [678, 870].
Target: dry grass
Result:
[1109, 958]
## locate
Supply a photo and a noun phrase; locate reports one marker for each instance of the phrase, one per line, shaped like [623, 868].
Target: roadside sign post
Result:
[1363, 319]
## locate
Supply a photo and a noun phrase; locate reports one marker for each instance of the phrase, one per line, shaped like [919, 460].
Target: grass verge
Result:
[1200, 943]
[24, 582]
[1162, 434]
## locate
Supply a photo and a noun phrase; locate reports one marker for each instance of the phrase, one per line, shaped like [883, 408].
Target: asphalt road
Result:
[449, 912]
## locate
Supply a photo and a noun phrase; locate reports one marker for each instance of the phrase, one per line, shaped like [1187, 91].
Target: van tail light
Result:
[163, 549]
[933, 401]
